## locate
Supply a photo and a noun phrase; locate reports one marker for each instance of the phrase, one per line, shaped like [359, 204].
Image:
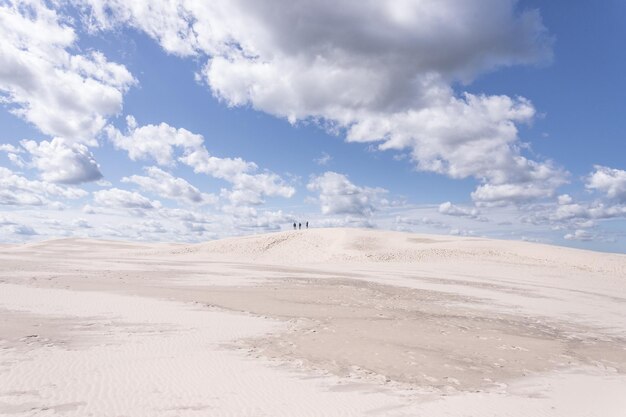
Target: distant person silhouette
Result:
[294, 225]
[307, 225]
[299, 225]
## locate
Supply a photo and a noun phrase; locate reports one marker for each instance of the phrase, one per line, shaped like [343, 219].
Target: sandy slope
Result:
[312, 322]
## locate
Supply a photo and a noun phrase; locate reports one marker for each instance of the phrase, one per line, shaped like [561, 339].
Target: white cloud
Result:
[63, 162]
[450, 209]
[565, 199]
[167, 21]
[610, 181]
[20, 198]
[394, 82]
[468, 136]
[166, 145]
[475, 136]
[64, 95]
[575, 212]
[577, 216]
[566, 214]
[13, 153]
[603, 211]
[579, 234]
[223, 168]
[386, 64]
[166, 185]
[20, 191]
[387, 80]
[571, 210]
[16, 160]
[337, 195]
[498, 194]
[586, 224]
[8, 148]
[157, 142]
[451, 36]
[116, 198]
[250, 189]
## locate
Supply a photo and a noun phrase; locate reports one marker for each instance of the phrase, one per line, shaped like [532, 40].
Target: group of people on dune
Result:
[299, 225]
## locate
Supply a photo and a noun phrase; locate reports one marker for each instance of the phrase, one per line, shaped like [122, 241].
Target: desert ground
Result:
[319, 322]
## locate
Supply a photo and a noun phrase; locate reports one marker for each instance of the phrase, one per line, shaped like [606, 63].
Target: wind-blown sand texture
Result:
[319, 322]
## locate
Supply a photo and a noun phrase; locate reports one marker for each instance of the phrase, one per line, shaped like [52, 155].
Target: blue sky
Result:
[186, 121]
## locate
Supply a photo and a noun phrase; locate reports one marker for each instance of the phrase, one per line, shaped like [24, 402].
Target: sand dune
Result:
[319, 322]
[352, 245]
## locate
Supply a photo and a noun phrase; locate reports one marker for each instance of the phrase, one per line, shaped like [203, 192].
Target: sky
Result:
[187, 120]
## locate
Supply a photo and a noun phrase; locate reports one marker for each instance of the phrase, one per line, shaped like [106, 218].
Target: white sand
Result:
[326, 322]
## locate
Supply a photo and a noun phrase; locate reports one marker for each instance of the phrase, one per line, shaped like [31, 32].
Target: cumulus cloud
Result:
[610, 181]
[450, 209]
[63, 94]
[166, 185]
[62, 162]
[250, 189]
[117, 198]
[498, 194]
[382, 71]
[452, 36]
[8, 148]
[388, 73]
[564, 199]
[579, 234]
[168, 145]
[595, 210]
[19, 191]
[579, 215]
[337, 195]
[13, 154]
[20, 198]
[573, 213]
[157, 142]
[576, 216]
[223, 168]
